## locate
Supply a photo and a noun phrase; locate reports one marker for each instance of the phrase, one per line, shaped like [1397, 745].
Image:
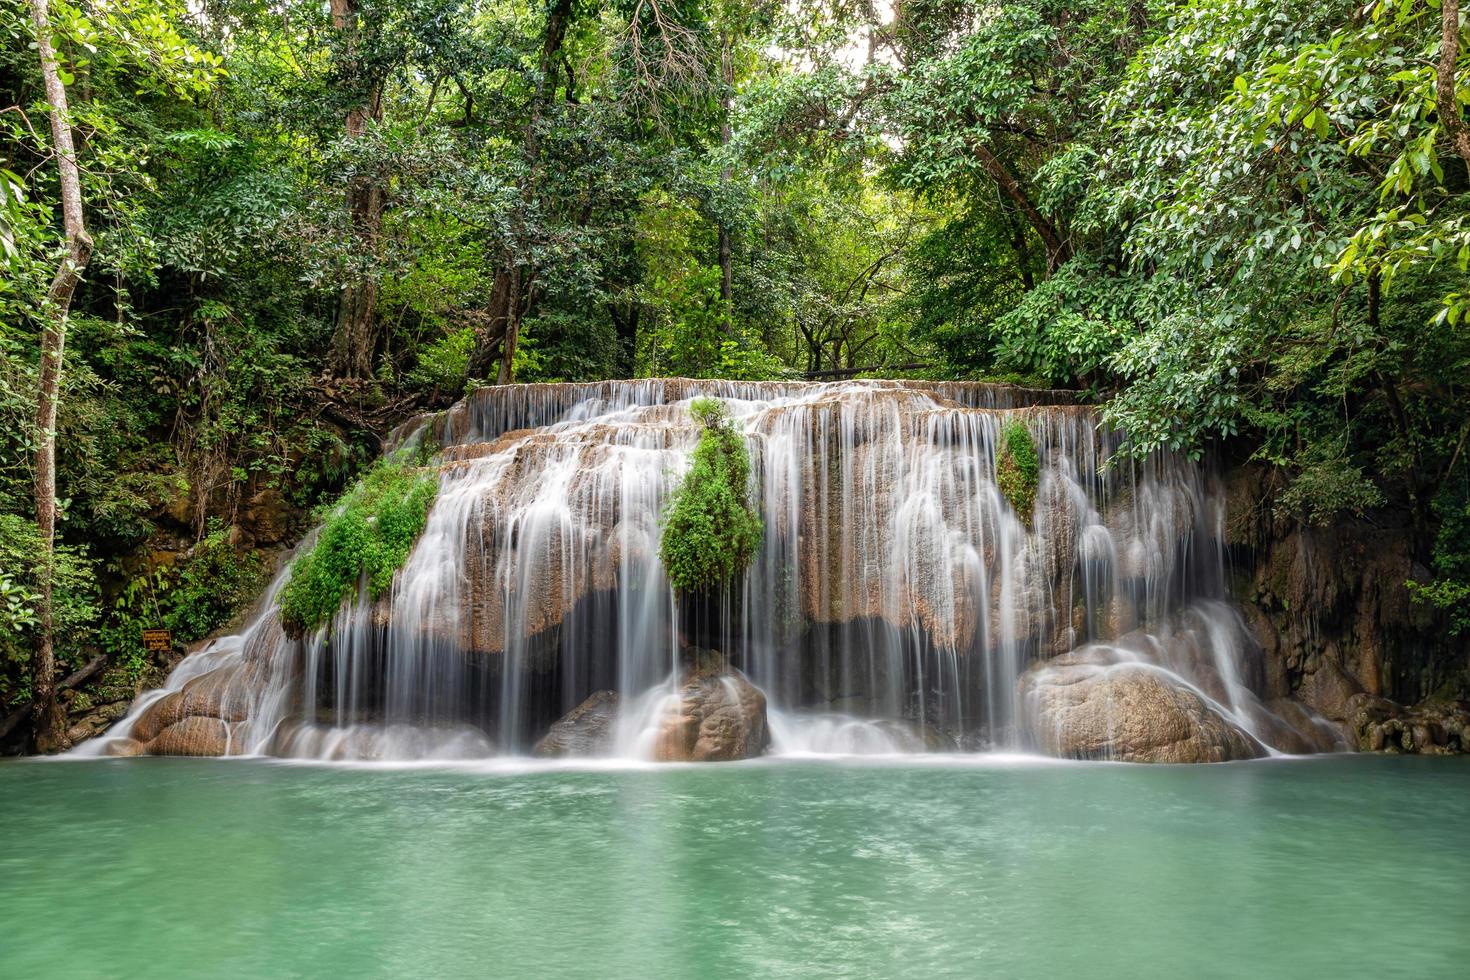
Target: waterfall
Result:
[894, 605]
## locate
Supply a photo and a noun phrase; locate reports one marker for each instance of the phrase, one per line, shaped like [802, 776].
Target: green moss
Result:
[366, 535]
[710, 531]
[1018, 468]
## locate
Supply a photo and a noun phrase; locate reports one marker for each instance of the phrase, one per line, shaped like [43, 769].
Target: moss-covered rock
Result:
[367, 534]
[711, 533]
[1018, 469]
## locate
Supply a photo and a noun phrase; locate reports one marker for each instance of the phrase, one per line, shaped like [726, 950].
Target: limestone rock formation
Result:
[1430, 728]
[1294, 728]
[585, 730]
[1089, 706]
[719, 717]
[1332, 598]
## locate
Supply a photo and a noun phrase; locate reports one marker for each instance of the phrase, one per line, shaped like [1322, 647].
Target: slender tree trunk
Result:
[1057, 249]
[727, 79]
[512, 329]
[1023, 253]
[355, 339]
[50, 721]
[488, 340]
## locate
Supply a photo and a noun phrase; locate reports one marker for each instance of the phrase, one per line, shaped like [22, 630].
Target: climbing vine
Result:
[711, 533]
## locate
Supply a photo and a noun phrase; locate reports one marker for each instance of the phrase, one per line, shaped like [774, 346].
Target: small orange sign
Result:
[158, 641]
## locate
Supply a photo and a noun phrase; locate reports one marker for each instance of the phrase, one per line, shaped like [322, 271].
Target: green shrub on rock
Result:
[1018, 468]
[367, 534]
[710, 531]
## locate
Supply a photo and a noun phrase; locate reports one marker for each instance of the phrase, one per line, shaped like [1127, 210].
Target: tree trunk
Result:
[486, 352]
[355, 339]
[1057, 249]
[1448, 104]
[1023, 253]
[512, 329]
[49, 718]
[727, 80]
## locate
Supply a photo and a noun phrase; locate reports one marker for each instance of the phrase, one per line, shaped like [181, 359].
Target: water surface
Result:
[1348, 867]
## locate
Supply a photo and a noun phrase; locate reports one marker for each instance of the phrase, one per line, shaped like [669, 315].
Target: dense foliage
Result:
[1236, 223]
[364, 539]
[711, 532]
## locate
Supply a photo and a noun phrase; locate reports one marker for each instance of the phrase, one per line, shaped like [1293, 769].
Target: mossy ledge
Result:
[366, 536]
[710, 531]
[1018, 468]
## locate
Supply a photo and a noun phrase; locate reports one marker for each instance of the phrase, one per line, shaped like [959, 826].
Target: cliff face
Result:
[1338, 629]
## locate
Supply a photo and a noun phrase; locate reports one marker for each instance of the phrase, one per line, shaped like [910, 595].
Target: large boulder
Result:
[221, 695]
[195, 735]
[1329, 691]
[587, 729]
[718, 716]
[1088, 705]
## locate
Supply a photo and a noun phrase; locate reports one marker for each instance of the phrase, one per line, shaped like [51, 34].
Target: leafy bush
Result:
[367, 534]
[1327, 486]
[1450, 590]
[1018, 468]
[444, 363]
[73, 603]
[213, 584]
[710, 531]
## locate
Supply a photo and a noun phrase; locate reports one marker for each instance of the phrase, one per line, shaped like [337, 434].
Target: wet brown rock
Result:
[587, 729]
[1329, 691]
[1056, 525]
[267, 516]
[720, 717]
[82, 730]
[193, 735]
[1082, 706]
[1336, 594]
[1430, 728]
[220, 694]
[1301, 730]
[124, 747]
[915, 737]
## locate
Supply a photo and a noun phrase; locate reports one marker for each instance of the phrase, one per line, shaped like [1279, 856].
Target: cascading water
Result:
[895, 603]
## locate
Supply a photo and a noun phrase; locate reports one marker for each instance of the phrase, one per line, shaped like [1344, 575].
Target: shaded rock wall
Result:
[1330, 609]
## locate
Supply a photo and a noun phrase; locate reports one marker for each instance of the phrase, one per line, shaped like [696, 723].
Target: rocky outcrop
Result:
[95, 722]
[1339, 629]
[206, 716]
[1429, 728]
[1088, 706]
[718, 716]
[1291, 727]
[586, 730]
[1331, 601]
